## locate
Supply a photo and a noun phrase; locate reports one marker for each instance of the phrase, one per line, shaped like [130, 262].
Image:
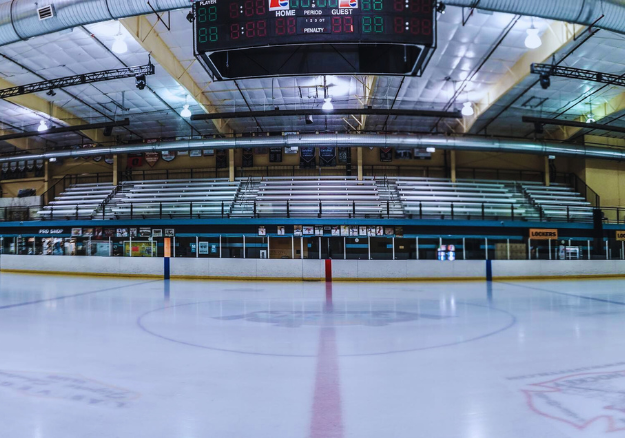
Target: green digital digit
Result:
[294, 4]
[378, 24]
[212, 13]
[305, 3]
[201, 15]
[366, 5]
[213, 34]
[377, 5]
[366, 24]
[322, 3]
[333, 3]
[203, 35]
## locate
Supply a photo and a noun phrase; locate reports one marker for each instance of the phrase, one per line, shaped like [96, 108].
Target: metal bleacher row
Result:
[405, 197]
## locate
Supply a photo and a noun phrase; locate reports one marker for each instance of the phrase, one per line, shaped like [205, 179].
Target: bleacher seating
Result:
[82, 200]
[340, 197]
[438, 197]
[189, 198]
[312, 197]
[559, 202]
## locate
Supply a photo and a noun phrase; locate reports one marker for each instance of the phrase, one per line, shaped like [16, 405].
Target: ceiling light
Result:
[590, 118]
[186, 112]
[533, 40]
[119, 46]
[430, 150]
[42, 126]
[441, 8]
[467, 109]
[327, 104]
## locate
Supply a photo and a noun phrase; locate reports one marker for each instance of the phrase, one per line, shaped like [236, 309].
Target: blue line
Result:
[512, 322]
[29, 303]
[620, 303]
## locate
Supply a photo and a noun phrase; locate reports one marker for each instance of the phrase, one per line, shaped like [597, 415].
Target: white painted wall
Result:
[311, 269]
[557, 268]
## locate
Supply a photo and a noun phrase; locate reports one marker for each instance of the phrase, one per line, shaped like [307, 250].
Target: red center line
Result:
[327, 420]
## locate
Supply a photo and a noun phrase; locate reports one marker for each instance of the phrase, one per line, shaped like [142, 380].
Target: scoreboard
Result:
[235, 24]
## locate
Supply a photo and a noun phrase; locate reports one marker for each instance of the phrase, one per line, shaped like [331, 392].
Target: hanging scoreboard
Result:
[232, 24]
[264, 36]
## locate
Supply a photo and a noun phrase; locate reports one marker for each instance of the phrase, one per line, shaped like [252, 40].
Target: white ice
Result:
[121, 358]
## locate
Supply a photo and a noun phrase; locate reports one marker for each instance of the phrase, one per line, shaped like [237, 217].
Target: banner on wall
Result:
[275, 155]
[30, 165]
[307, 158]
[97, 159]
[345, 155]
[620, 235]
[135, 160]
[221, 160]
[39, 164]
[543, 234]
[327, 156]
[209, 152]
[168, 155]
[151, 158]
[13, 166]
[386, 155]
[248, 157]
[195, 153]
[108, 159]
[21, 165]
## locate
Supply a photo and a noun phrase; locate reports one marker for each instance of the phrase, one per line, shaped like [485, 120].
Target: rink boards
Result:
[311, 270]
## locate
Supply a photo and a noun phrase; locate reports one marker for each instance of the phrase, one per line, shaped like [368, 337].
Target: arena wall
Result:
[312, 270]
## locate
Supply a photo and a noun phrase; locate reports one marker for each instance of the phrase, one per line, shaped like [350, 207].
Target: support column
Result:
[115, 170]
[231, 163]
[360, 172]
[547, 178]
[46, 180]
[453, 166]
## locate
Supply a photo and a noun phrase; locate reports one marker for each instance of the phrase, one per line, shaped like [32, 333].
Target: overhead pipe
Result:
[478, 144]
[602, 14]
[19, 19]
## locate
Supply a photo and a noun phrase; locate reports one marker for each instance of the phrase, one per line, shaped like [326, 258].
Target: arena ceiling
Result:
[482, 59]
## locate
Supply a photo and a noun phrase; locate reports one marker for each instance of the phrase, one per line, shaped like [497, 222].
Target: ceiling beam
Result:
[60, 130]
[557, 36]
[49, 109]
[600, 112]
[336, 111]
[146, 35]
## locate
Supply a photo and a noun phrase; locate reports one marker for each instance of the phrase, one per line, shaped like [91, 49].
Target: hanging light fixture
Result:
[590, 118]
[327, 104]
[467, 109]
[119, 46]
[43, 126]
[186, 112]
[533, 40]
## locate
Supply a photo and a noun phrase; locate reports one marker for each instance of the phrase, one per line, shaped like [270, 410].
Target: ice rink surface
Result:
[195, 359]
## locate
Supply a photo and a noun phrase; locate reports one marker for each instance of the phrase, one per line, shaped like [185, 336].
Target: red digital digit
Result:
[415, 26]
[280, 27]
[260, 7]
[234, 10]
[291, 26]
[426, 27]
[348, 25]
[234, 32]
[250, 32]
[249, 8]
[336, 25]
[398, 5]
[261, 28]
[398, 25]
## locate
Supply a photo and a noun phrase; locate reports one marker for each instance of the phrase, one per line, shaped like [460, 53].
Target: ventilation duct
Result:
[20, 19]
[479, 144]
[571, 11]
